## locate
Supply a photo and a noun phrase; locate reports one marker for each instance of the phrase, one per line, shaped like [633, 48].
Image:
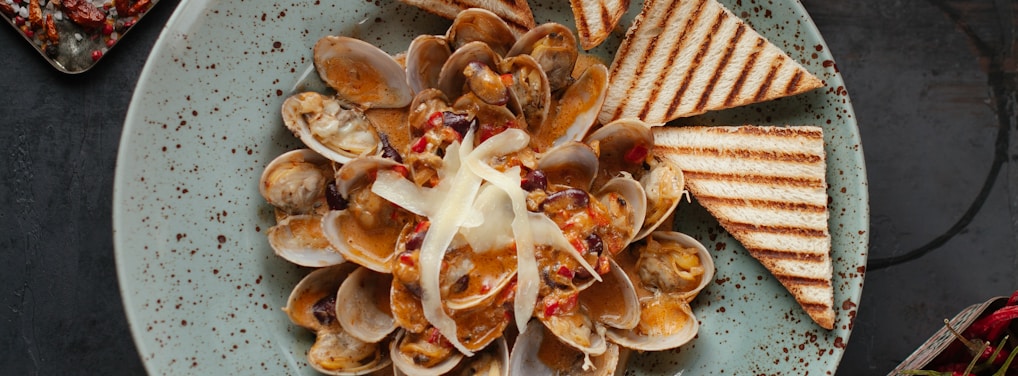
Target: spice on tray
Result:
[88, 28]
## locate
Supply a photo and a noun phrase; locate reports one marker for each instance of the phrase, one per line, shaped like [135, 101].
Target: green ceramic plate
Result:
[203, 290]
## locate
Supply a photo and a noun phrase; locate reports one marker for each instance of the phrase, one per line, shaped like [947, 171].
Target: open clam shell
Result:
[406, 361]
[530, 91]
[295, 181]
[362, 305]
[666, 281]
[339, 353]
[613, 301]
[366, 231]
[554, 46]
[311, 303]
[424, 60]
[579, 105]
[325, 126]
[451, 78]
[538, 352]
[673, 263]
[298, 239]
[664, 185]
[361, 73]
[666, 322]
[481, 25]
[572, 164]
[622, 145]
[626, 202]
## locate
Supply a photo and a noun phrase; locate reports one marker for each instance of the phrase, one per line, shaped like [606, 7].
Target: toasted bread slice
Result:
[766, 185]
[516, 13]
[685, 57]
[595, 19]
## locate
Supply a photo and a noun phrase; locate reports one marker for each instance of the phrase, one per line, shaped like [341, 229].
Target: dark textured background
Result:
[934, 88]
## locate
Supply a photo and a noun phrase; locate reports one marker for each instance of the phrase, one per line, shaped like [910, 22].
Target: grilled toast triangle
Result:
[595, 19]
[516, 13]
[685, 57]
[766, 185]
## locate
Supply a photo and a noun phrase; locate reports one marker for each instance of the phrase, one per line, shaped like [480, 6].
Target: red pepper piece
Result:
[1013, 300]
[637, 154]
[551, 308]
[406, 258]
[84, 13]
[565, 272]
[434, 120]
[420, 145]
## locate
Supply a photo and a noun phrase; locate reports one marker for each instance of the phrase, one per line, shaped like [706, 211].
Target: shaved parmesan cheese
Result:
[452, 209]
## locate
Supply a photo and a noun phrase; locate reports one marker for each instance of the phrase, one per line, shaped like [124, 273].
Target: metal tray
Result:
[74, 35]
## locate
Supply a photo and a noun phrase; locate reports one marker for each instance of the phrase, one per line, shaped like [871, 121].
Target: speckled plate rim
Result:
[798, 345]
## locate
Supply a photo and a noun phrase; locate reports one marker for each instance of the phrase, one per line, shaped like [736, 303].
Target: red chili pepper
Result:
[637, 154]
[507, 79]
[84, 13]
[992, 326]
[1013, 300]
[420, 145]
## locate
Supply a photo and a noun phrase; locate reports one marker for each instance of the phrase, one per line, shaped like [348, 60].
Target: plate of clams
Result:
[373, 188]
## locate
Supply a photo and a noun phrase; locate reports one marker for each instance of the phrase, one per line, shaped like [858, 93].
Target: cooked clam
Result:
[295, 181]
[424, 60]
[554, 47]
[480, 25]
[325, 126]
[361, 73]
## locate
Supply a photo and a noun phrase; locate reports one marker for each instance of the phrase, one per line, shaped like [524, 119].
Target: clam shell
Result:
[315, 286]
[629, 215]
[405, 364]
[361, 73]
[666, 322]
[530, 92]
[348, 133]
[579, 105]
[372, 248]
[298, 239]
[614, 141]
[295, 181]
[538, 352]
[451, 78]
[613, 301]
[664, 185]
[339, 353]
[554, 46]
[362, 305]
[572, 164]
[481, 25]
[424, 60]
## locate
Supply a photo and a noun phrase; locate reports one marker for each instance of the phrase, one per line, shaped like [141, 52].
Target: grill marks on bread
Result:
[767, 187]
[685, 57]
[595, 19]
[516, 13]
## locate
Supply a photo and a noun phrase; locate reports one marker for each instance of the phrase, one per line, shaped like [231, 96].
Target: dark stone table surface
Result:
[933, 83]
